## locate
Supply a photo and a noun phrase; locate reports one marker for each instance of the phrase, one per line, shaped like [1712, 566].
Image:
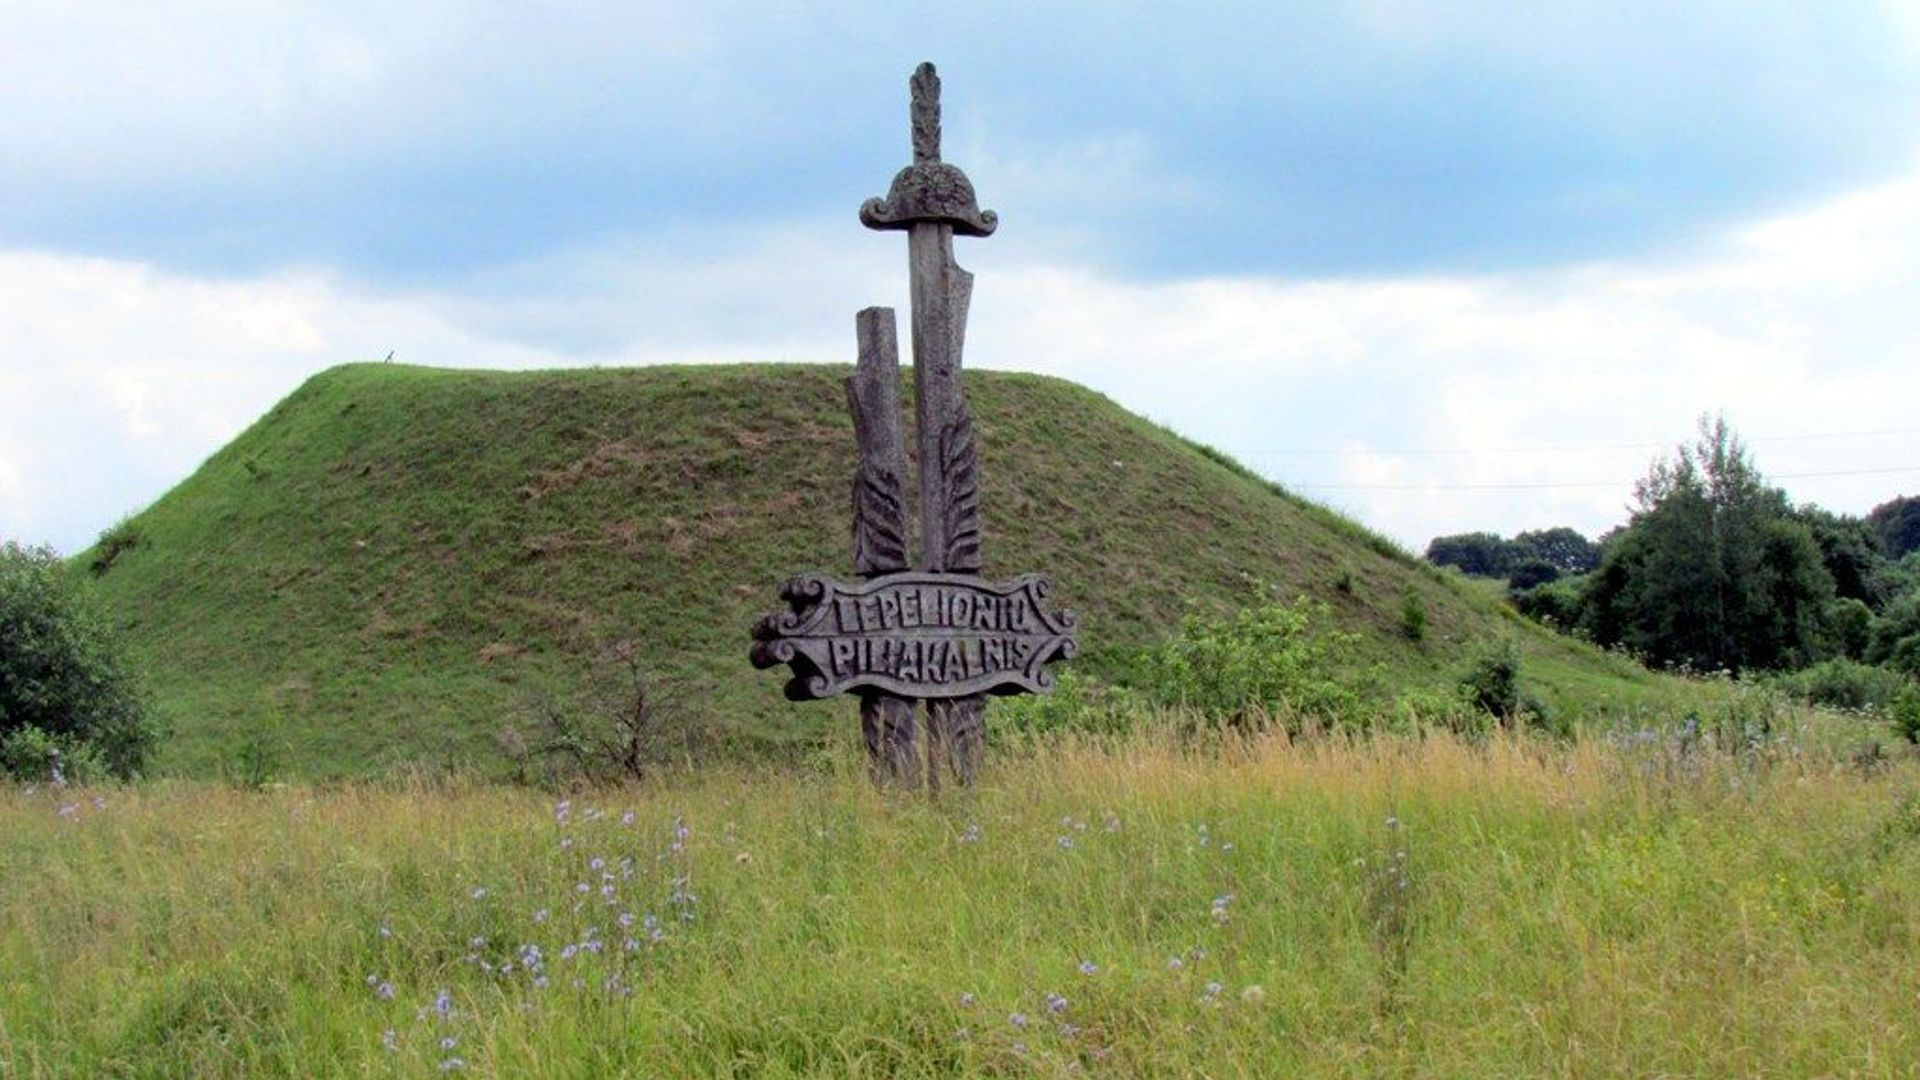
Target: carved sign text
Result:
[915, 634]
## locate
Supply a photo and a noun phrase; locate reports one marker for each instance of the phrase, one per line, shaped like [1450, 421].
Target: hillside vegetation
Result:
[396, 562]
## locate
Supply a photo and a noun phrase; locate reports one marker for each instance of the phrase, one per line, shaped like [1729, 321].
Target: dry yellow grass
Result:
[1396, 906]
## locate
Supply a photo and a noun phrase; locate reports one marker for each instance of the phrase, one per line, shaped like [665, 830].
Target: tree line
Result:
[1718, 570]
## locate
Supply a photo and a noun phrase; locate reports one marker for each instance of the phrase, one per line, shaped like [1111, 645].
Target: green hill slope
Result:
[393, 561]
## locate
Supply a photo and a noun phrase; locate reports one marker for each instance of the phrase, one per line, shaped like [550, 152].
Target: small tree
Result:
[618, 728]
[1493, 684]
[1713, 571]
[67, 700]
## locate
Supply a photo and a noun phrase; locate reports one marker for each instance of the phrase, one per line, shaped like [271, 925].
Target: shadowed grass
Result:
[1625, 906]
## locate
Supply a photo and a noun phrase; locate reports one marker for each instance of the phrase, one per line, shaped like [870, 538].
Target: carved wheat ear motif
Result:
[879, 520]
[960, 495]
[873, 394]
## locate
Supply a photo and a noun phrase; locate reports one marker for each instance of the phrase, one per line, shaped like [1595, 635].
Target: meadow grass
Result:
[1641, 905]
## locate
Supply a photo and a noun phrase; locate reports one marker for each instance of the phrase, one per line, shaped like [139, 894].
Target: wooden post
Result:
[880, 526]
[936, 631]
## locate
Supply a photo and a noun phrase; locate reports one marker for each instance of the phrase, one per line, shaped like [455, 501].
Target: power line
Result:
[1571, 447]
[1575, 483]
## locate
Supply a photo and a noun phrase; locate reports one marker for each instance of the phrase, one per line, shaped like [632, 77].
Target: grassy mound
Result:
[394, 561]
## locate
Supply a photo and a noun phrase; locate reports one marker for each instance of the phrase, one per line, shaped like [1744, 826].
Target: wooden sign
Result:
[926, 629]
[915, 634]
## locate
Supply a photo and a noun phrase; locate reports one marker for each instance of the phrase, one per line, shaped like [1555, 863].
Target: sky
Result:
[1442, 267]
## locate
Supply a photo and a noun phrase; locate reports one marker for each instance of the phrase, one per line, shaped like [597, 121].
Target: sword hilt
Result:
[929, 190]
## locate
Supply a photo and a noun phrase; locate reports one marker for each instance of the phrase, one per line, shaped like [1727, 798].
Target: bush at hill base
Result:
[69, 708]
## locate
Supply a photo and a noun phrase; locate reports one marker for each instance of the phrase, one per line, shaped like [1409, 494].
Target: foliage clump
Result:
[1271, 659]
[69, 706]
[1844, 684]
[113, 543]
[1413, 618]
[1529, 557]
[1712, 572]
[1905, 713]
[1493, 684]
[1894, 639]
[1716, 571]
[1077, 704]
[1897, 525]
[1493, 687]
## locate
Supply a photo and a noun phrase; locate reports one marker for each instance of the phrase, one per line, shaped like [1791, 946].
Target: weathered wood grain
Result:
[887, 723]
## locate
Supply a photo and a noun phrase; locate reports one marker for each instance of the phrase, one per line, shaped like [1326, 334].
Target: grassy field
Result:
[1639, 903]
[396, 563]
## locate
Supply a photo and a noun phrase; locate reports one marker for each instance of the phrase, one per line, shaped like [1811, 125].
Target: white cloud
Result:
[205, 87]
[116, 378]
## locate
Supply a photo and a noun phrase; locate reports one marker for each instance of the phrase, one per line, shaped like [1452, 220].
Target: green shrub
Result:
[1905, 714]
[1075, 705]
[31, 754]
[61, 674]
[1268, 659]
[257, 756]
[123, 537]
[1493, 684]
[1906, 656]
[1898, 623]
[1533, 573]
[1556, 603]
[1413, 617]
[1452, 711]
[1843, 684]
[1848, 626]
[1493, 688]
